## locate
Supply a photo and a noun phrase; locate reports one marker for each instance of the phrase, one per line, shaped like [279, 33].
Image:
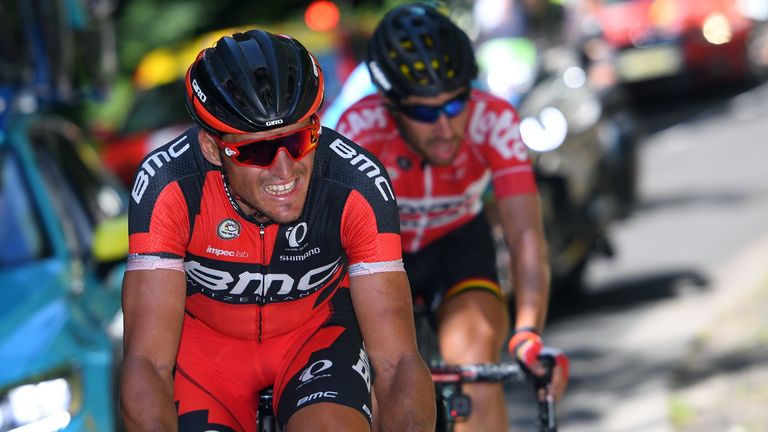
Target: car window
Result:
[22, 237]
[157, 108]
[83, 194]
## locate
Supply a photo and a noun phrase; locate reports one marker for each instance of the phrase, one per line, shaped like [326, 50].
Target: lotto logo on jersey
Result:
[499, 128]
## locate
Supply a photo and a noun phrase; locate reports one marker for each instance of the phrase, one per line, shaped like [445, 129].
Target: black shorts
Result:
[465, 259]
[218, 378]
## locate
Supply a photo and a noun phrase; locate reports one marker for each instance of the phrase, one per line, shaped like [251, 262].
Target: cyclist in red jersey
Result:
[265, 252]
[442, 143]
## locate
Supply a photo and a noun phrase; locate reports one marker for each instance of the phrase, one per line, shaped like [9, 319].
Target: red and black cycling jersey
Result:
[435, 200]
[251, 280]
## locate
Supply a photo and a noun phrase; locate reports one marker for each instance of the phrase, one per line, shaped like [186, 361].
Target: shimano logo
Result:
[198, 91]
[302, 257]
[366, 165]
[274, 122]
[379, 76]
[154, 162]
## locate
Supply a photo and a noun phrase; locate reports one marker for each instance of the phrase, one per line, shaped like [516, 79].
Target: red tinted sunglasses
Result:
[263, 151]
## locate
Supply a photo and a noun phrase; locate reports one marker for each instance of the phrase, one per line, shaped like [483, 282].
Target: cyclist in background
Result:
[264, 250]
[442, 143]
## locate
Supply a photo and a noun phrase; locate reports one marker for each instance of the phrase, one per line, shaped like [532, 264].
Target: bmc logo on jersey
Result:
[153, 163]
[271, 286]
[296, 234]
[365, 165]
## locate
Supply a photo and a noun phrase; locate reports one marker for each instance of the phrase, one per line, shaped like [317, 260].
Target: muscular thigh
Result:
[331, 366]
[212, 389]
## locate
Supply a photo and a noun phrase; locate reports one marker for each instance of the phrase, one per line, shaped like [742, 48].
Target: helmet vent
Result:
[291, 83]
[263, 87]
[235, 92]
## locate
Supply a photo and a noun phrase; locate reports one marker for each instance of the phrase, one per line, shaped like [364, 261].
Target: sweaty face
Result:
[275, 193]
[437, 142]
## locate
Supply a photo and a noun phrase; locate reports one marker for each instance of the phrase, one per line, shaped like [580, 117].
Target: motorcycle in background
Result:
[583, 146]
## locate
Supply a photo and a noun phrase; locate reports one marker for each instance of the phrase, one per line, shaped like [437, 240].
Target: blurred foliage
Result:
[146, 24]
[150, 27]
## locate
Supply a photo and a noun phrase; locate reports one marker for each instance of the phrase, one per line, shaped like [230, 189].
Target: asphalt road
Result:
[703, 210]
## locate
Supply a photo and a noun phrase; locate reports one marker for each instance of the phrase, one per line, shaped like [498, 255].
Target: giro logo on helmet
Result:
[274, 122]
[198, 91]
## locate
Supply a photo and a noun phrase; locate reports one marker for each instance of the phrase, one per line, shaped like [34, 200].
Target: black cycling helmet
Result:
[251, 82]
[417, 51]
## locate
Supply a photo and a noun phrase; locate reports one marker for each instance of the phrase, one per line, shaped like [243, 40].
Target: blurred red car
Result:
[678, 45]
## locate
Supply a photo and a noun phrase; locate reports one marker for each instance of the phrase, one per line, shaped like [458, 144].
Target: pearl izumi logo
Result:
[296, 234]
[314, 370]
[228, 229]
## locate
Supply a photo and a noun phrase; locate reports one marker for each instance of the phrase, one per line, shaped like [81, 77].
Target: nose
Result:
[443, 128]
[283, 164]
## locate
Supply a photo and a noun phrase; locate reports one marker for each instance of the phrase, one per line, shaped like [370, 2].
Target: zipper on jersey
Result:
[261, 301]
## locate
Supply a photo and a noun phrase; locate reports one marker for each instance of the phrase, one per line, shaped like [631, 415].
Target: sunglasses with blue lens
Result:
[430, 113]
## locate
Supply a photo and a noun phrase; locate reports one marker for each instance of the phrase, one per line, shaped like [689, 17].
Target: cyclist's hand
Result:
[525, 347]
[560, 371]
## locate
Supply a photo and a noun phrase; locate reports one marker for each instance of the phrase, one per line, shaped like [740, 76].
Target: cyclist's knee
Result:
[472, 331]
[328, 417]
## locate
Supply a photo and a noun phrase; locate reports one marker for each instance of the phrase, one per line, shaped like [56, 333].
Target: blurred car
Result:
[63, 237]
[158, 115]
[679, 45]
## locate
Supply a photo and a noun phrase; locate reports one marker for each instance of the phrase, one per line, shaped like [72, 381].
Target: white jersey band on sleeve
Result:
[150, 262]
[364, 268]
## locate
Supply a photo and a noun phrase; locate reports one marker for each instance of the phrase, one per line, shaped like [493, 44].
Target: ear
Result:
[209, 147]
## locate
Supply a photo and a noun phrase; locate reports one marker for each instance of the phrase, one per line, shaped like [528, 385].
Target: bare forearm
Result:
[146, 397]
[532, 279]
[406, 397]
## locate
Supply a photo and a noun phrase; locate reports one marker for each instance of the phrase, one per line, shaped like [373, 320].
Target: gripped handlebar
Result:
[505, 372]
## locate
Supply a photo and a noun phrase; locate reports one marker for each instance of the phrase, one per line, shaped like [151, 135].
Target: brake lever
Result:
[547, 418]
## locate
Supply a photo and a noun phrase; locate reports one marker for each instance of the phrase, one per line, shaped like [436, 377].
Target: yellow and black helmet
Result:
[418, 51]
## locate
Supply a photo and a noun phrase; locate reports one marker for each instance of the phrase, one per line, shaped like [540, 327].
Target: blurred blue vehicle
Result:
[63, 235]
